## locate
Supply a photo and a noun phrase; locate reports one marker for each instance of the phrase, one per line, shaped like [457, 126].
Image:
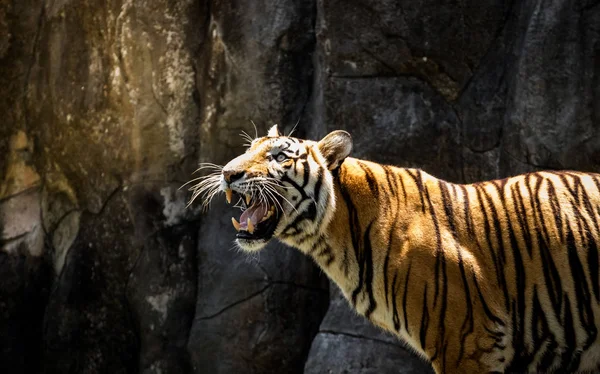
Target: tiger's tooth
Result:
[228, 194]
[236, 224]
[248, 198]
[250, 226]
[269, 214]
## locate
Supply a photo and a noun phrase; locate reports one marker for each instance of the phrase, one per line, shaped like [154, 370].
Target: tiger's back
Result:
[499, 275]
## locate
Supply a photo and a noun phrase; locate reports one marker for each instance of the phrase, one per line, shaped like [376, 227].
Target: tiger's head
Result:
[285, 187]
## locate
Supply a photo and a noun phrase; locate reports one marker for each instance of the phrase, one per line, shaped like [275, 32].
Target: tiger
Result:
[494, 276]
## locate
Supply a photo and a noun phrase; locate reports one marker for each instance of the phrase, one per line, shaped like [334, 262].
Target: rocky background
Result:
[108, 106]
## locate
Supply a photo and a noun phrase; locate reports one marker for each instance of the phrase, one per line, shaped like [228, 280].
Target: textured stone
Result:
[537, 92]
[438, 42]
[88, 325]
[20, 216]
[162, 294]
[104, 95]
[417, 123]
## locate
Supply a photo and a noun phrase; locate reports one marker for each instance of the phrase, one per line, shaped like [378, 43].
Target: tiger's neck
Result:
[381, 242]
[364, 233]
[347, 248]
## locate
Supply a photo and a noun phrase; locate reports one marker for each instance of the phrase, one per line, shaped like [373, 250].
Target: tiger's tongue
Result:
[256, 212]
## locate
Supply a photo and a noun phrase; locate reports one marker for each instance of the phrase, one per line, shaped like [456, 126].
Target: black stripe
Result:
[552, 278]
[592, 262]
[401, 179]
[547, 359]
[486, 225]
[570, 341]
[390, 241]
[596, 182]
[487, 229]
[354, 230]
[583, 298]
[345, 264]
[395, 317]
[285, 145]
[537, 205]
[327, 252]
[419, 182]
[368, 251]
[316, 245]
[448, 207]
[387, 259]
[300, 189]
[500, 255]
[572, 190]
[586, 202]
[521, 359]
[516, 252]
[584, 307]
[522, 215]
[539, 329]
[306, 167]
[556, 210]
[517, 307]
[440, 259]
[467, 326]
[490, 315]
[499, 186]
[467, 211]
[371, 180]
[390, 174]
[424, 320]
[310, 213]
[405, 298]
[318, 184]
[440, 262]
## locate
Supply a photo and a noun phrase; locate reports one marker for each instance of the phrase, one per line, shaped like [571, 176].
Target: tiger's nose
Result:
[232, 175]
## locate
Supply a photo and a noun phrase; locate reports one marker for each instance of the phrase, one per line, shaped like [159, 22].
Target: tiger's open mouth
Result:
[258, 220]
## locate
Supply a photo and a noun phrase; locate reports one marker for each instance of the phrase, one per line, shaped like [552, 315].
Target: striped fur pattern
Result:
[497, 276]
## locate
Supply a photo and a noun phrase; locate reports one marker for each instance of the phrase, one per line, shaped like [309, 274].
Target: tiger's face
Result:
[284, 187]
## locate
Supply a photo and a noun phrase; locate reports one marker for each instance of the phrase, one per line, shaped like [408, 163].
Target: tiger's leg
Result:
[485, 349]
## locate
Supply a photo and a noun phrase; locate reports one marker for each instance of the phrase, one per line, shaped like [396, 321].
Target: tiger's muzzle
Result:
[260, 214]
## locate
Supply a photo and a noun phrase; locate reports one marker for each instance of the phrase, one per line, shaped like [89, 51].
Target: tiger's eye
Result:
[281, 158]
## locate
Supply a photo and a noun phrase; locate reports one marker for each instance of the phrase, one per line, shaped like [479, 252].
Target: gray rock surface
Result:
[109, 106]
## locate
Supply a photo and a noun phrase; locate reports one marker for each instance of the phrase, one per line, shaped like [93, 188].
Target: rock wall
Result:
[108, 106]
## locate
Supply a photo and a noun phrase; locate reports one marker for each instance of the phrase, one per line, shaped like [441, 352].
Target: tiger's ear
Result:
[335, 147]
[273, 132]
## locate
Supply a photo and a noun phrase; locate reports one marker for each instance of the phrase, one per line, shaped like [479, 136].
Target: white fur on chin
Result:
[251, 245]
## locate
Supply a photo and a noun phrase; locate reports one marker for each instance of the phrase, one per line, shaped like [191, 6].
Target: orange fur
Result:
[492, 276]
